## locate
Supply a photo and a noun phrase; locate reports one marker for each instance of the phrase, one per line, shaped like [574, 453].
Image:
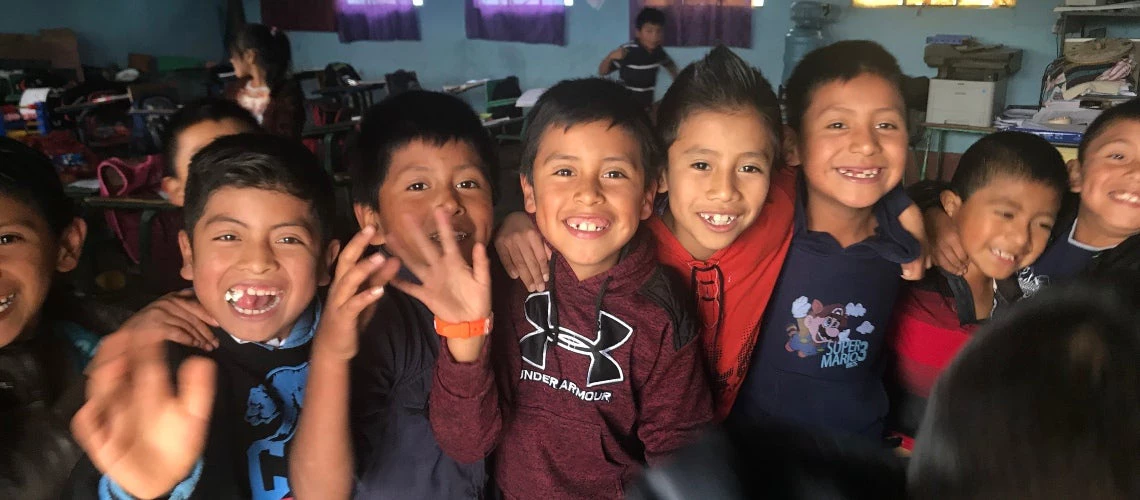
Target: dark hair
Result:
[722, 81]
[649, 15]
[587, 100]
[840, 61]
[1129, 110]
[1014, 154]
[432, 117]
[30, 177]
[274, 55]
[260, 161]
[209, 109]
[1042, 403]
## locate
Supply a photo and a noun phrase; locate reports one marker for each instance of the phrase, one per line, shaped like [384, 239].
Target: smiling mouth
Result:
[718, 219]
[1125, 197]
[860, 173]
[1003, 256]
[254, 300]
[459, 236]
[587, 224]
[7, 301]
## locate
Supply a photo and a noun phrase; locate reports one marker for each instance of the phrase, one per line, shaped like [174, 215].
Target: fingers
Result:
[446, 234]
[504, 250]
[532, 280]
[150, 376]
[191, 305]
[87, 426]
[196, 387]
[349, 282]
[540, 266]
[480, 263]
[353, 250]
[356, 303]
[913, 270]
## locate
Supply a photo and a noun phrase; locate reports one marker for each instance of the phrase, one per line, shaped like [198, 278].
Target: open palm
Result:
[453, 290]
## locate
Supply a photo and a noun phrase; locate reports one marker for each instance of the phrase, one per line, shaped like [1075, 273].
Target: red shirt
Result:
[732, 287]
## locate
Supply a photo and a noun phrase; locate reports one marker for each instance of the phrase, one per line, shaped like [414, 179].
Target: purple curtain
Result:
[376, 20]
[527, 21]
[700, 24]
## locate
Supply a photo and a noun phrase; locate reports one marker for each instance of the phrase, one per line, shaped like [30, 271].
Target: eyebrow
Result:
[217, 219]
[840, 107]
[698, 150]
[24, 223]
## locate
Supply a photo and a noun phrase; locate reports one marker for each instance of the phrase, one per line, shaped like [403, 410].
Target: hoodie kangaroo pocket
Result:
[558, 457]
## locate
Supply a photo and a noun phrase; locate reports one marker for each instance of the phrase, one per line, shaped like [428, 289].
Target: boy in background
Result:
[638, 60]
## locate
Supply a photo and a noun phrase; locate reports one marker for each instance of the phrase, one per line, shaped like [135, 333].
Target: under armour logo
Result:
[611, 334]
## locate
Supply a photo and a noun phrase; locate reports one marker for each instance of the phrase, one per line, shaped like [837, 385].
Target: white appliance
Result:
[962, 102]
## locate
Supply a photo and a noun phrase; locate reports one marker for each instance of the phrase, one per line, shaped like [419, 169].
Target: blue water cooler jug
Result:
[806, 35]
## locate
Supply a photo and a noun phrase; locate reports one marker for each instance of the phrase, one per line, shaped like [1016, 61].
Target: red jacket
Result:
[733, 286]
[605, 378]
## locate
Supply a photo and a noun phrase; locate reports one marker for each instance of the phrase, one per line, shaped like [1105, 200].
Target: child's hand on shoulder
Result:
[177, 317]
[454, 291]
[911, 220]
[339, 328]
[946, 247]
[135, 427]
[523, 254]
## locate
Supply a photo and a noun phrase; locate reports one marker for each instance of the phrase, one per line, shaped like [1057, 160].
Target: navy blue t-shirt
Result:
[1062, 259]
[817, 363]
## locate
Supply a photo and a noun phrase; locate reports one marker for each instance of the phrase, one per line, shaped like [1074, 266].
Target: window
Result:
[701, 23]
[377, 20]
[527, 21]
[934, 3]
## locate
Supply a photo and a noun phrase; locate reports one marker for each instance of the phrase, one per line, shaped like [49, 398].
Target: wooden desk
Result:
[149, 207]
[360, 94]
[328, 134]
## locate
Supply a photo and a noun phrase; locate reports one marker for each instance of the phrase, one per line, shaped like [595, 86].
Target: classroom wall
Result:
[108, 30]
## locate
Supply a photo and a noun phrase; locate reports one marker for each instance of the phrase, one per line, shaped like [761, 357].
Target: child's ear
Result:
[325, 272]
[647, 204]
[173, 188]
[528, 194]
[367, 216]
[1075, 177]
[791, 147]
[663, 181]
[71, 245]
[187, 256]
[951, 202]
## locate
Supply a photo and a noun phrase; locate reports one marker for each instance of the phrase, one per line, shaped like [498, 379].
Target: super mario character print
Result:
[825, 331]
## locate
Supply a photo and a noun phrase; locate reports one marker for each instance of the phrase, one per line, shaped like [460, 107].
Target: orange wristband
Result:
[463, 330]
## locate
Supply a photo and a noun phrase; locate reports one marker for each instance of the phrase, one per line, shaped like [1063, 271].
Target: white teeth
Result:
[6, 302]
[250, 312]
[1003, 255]
[233, 295]
[587, 226]
[1125, 197]
[718, 219]
[459, 236]
[869, 173]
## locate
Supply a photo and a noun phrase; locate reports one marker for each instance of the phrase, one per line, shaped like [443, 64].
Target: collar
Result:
[301, 333]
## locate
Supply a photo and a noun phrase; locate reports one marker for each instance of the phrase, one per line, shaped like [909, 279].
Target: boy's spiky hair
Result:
[721, 81]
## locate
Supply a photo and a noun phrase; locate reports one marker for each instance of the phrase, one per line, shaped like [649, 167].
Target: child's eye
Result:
[888, 126]
[1048, 226]
[1005, 215]
[468, 185]
[290, 240]
[419, 186]
[751, 169]
[614, 174]
[1116, 156]
[563, 172]
[8, 239]
[700, 165]
[226, 237]
[835, 125]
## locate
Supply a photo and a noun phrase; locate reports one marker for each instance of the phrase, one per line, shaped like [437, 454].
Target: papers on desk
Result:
[529, 98]
[1059, 121]
[465, 86]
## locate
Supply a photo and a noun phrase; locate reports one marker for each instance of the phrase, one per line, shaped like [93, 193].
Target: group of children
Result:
[715, 265]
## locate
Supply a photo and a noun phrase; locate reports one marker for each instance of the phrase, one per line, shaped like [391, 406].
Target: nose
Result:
[449, 201]
[722, 185]
[864, 141]
[588, 191]
[258, 258]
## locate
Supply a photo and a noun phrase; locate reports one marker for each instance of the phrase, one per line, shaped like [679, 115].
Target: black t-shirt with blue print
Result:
[1062, 260]
[818, 361]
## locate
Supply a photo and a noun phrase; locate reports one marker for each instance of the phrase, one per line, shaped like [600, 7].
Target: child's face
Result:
[190, 141]
[589, 193]
[1109, 179]
[853, 142]
[651, 35]
[256, 260]
[421, 177]
[30, 255]
[1005, 225]
[720, 166]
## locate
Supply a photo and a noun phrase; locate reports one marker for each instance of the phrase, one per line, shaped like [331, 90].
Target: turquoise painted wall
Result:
[108, 30]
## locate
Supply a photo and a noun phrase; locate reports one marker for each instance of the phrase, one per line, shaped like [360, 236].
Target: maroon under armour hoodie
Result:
[595, 378]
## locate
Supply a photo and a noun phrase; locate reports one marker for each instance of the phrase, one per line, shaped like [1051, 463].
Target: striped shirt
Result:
[638, 70]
